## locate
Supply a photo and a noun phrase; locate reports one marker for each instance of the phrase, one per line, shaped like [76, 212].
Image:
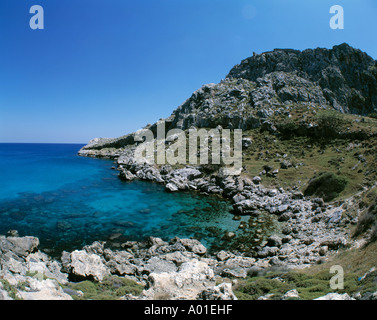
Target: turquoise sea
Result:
[48, 191]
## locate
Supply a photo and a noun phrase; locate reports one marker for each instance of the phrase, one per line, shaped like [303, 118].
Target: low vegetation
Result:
[348, 158]
[367, 222]
[326, 185]
[111, 288]
[11, 290]
[308, 285]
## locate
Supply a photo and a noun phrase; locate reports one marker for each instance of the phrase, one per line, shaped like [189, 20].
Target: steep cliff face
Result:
[346, 76]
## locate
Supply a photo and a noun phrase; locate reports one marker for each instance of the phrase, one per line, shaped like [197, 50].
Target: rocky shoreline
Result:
[180, 269]
[308, 229]
[309, 232]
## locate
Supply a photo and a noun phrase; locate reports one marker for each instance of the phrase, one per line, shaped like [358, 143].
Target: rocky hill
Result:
[274, 83]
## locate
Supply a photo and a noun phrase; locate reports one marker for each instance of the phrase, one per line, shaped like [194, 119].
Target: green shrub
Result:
[87, 287]
[309, 286]
[11, 290]
[368, 221]
[288, 127]
[327, 124]
[373, 115]
[258, 287]
[326, 186]
[111, 288]
[330, 123]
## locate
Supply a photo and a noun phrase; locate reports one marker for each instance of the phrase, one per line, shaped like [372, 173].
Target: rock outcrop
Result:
[342, 77]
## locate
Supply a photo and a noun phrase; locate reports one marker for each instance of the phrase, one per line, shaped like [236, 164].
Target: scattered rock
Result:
[221, 292]
[292, 294]
[223, 255]
[234, 273]
[171, 187]
[274, 241]
[257, 180]
[323, 250]
[229, 235]
[335, 296]
[268, 252]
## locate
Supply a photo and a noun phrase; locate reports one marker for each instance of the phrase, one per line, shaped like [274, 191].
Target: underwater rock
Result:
[63, 225]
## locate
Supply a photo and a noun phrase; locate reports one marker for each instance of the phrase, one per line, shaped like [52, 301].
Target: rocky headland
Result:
[309, 150]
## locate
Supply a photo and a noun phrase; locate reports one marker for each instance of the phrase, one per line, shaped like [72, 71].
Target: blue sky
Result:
[107, 68]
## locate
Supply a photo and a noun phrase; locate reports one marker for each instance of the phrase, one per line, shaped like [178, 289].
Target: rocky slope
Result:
[341, 78]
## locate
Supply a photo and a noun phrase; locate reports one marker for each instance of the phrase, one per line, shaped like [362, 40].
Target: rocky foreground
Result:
[179, 269]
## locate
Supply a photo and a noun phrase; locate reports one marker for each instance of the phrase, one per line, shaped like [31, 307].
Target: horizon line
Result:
[42, 143]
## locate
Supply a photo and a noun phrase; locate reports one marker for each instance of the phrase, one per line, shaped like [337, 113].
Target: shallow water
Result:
[68, 201]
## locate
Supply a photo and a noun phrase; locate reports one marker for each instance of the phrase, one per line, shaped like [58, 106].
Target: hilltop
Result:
[273, 83]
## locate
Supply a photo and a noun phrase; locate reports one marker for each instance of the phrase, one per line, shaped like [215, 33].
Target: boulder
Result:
[268, 252]
[126, 175]
[193, 245]
[187, 173]
[257, 180]
[223, 255]
[246, 207]
[83, 265]
[335, 296]
[334, 243]
[187, 283]
[171, 187]
[246, 142]
[239, 262]
[42, 264]
[292, 294]
[118, 262]
[21, 246]
[274, 241]
[234, 273]
[221, 292]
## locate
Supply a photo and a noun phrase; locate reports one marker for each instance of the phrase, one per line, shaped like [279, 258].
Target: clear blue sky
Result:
[104, 68]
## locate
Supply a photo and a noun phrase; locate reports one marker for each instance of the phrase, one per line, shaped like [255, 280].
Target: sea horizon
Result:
[72, 143]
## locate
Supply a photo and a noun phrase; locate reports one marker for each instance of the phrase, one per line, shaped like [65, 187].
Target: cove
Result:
[68, 201]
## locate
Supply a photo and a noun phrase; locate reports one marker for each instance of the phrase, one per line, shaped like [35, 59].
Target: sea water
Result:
[68, 201]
